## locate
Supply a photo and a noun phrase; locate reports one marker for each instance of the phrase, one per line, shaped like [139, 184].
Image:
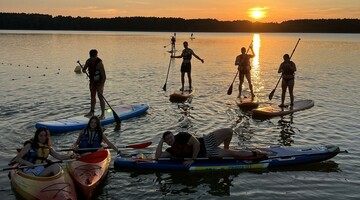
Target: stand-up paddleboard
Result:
[277, 157]
[246, 102]
[275, 110]
[80, 122]
[181, 96]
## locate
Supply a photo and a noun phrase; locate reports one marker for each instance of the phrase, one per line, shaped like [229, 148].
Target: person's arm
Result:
[58, 156]
[196, 56]
[293, 66]
[110, 144]
[280, 70]
[253, 53]
[86, 66]
[77, 142]
[159, 153]
[196, 148]
[19, 158]
[102, 72]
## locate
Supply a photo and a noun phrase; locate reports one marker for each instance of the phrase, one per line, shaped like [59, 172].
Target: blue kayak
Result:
[80, 122]
[277, 157]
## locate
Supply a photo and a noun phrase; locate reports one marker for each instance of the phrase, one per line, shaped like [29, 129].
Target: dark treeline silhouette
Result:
[23, 21]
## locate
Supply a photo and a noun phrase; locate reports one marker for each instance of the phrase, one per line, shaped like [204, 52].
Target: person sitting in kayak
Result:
[36, 151]
[185, 145]
[91, 138]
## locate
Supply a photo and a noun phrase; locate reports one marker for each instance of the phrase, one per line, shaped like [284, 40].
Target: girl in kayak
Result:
[185, 145]
[92, 137]
[36, 151]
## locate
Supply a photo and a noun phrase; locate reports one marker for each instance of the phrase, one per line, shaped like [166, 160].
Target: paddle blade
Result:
[95, 157]
[164, 87]
[116, 117]
[139, 146]
[271, 94]
[229, 92]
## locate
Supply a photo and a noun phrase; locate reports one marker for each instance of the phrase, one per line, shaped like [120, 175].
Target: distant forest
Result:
[23, 21]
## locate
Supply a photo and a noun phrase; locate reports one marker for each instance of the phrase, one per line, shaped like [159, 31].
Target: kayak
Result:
[59, 186]
[181, 96]
[275, 110]
[277, 157]
[80, 122]
[247, 103]
[88, 175]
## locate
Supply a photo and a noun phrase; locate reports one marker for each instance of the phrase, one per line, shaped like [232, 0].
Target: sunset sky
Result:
[253, 10]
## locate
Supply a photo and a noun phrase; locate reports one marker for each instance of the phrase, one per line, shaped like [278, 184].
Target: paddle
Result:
[89, 158]
[116, 117]
[229, 92]
[272, 92]
[134, 146]
[167, 75]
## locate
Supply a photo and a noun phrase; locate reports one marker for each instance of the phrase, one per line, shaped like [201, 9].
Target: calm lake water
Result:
[38, 83]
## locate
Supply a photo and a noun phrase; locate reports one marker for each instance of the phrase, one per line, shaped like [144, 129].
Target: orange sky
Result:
[268, 10]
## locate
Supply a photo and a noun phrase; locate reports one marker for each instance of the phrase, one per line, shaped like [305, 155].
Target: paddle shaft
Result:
[116, 117]
[134, 146]
[272, 92]
[36, 165]
[229, 92]
[167, 75]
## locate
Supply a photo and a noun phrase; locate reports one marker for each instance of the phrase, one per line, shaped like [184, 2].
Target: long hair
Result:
[37, 133]
[98, 125]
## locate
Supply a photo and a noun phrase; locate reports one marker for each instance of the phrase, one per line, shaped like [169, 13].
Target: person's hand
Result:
[188, 163]
[84, 70]
[202, 60]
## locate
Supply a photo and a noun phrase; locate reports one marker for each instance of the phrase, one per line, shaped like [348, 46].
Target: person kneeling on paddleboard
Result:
[185, 145]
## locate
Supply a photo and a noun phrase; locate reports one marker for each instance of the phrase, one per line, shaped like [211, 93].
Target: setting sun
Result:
[257, 13]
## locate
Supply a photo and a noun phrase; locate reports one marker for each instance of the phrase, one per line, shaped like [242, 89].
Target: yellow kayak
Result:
[90, 171]
[31, 187]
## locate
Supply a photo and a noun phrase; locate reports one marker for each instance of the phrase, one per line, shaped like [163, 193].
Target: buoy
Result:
[77, 69]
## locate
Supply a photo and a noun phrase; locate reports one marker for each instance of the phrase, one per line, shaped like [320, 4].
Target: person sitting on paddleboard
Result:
[97, 77]
[92, 137]
[185, 145]
[186, 54]
[244, 67]
[288, 69]
[36, 151]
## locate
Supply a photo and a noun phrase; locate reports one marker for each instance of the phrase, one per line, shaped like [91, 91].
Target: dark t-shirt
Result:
[181, 149]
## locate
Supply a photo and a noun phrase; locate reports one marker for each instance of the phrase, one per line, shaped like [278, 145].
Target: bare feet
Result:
[90, 114]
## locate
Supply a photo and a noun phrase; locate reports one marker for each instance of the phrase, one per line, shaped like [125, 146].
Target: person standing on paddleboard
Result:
[288, 69]
[186, 54]
[97, 77]
[244, 67]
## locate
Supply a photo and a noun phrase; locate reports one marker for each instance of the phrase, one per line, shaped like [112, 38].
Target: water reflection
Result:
[185, 108]
[215, 183]
[287, 130]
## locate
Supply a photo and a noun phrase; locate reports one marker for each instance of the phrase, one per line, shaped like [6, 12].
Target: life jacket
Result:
[244, 60]
[94, 74]
[187, 54]
[288, 68]
[38, 152]
[93, 142]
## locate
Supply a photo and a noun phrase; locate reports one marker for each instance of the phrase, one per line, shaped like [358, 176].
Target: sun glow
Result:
[257, 13]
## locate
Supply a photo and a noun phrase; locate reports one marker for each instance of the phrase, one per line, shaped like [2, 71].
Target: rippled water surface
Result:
[38, 83]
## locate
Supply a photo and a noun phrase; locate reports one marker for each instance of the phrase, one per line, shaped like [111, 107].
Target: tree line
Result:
[23, 21]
